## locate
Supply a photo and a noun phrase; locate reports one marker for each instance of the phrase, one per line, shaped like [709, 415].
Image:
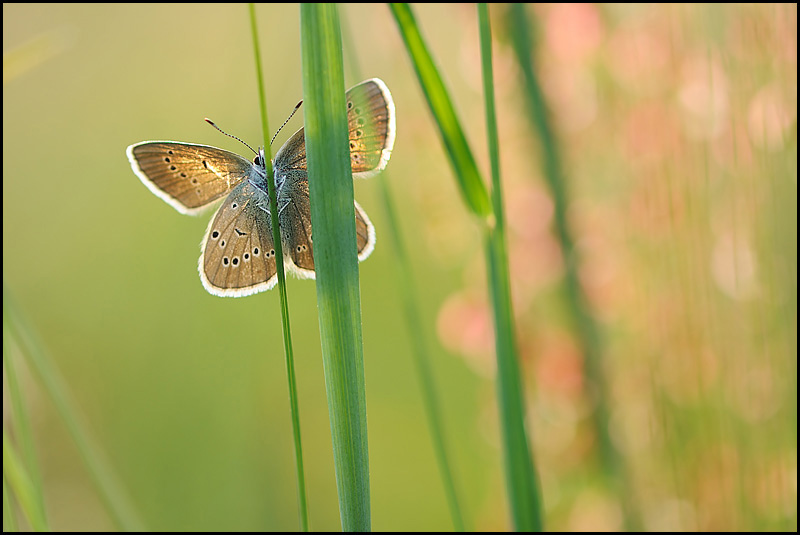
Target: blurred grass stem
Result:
[521, 480]
[112, 495]
[9, 514]
[21, 418]
[24, 489]
[587, 330]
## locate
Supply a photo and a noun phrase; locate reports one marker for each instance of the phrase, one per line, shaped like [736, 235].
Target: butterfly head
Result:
[260, 159]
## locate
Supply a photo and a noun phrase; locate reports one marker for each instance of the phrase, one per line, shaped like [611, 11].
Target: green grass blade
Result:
[9, 514]
[587, 330]
[24, 489]
[335, 260]
[21, 419]
[112, 495]
[414, 326]
[276, 238]
[523, 488]
[469, 178]
[521, 480]
[416, 335]
[520, 474]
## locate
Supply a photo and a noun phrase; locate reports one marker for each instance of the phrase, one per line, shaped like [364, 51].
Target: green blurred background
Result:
[678, 129]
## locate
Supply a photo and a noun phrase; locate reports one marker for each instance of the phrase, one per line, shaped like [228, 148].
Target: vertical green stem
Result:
[416, 332]
[335, 259]
[523, 491]
[276, 238]
[521, 478]
[520, 473]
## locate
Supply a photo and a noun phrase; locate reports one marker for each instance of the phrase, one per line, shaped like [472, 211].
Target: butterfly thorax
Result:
[259, 177]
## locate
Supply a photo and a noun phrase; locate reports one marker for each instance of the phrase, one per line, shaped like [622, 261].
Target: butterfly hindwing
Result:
[238, 253]
[295, 221]
[365, 234]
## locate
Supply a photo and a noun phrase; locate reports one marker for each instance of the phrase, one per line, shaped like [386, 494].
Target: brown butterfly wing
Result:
[365, 234]
[185, 175]
[371, 125]
[295, 221]
[238, 255]
[371, 122]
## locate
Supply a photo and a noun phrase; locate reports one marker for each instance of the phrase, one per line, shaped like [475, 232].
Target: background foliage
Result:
[678, 132]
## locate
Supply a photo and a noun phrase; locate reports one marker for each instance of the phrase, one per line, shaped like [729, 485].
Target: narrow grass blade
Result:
[112, 495]
[338, 295]
[20, 482]
[20, 418]
[520, 469]
[9, 514]
[417, 335]
[520, 474]
[586, 327]
[521, 480]
[276, 239]
[469, 178]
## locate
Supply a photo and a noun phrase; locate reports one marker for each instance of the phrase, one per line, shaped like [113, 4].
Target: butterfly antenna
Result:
[286, 121]
[209, 121]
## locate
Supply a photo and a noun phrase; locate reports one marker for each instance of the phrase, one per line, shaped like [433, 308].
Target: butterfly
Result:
[238, 256]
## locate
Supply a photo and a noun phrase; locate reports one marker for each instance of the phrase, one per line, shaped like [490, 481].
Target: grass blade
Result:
[416, 335]
[520, 469]
[338, 294]
[23, 487]
[276, 239]
[466, 171]
[414, 326]
[520, 474]
[21, 419]
[112, 495]
[586, 327]
[9, 514]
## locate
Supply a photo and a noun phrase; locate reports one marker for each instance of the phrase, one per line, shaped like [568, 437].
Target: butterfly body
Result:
[238, 256]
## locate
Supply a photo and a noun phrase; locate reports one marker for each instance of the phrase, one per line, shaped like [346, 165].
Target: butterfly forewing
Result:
[187, 176]
[371, 122]
[238, 254]
[371, 126]
[292, 155]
